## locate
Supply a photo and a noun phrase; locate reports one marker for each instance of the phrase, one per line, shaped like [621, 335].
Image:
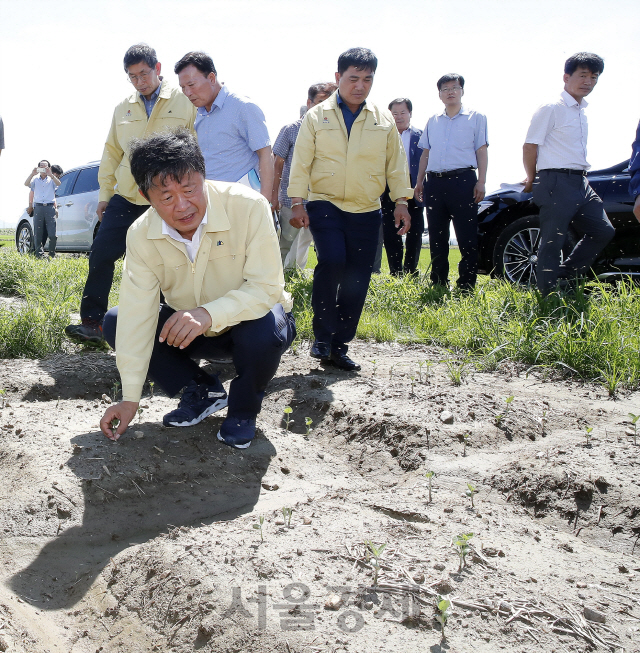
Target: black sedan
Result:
[509, 230]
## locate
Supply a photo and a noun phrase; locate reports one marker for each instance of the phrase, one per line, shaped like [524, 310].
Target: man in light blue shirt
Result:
[454, 144]
[42, 199]
[232, 132]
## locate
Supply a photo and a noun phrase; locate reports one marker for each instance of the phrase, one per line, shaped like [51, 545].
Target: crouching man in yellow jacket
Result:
[211, 248]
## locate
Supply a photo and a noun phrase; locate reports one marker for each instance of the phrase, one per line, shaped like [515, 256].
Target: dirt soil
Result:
[154, 543]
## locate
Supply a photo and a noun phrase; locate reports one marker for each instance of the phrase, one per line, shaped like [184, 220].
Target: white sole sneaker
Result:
[235, 446]
[217, 405]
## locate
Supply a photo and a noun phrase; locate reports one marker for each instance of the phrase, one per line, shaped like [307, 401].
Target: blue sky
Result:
[61, 69]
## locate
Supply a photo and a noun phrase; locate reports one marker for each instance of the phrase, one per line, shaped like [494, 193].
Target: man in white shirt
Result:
[556, 147]
[42, 200]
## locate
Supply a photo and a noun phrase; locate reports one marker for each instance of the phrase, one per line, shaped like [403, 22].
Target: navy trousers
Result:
[566, 199]
[255, 347]
[393, 242]
[346, 248]
[450, 199]
[110, 245]
[44, 225]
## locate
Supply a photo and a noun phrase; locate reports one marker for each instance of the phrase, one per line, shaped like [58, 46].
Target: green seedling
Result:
[151, 384]
[308, 421]
[443, 607]
[456, 371]
[465, 437]
[413, 380]
[286, 513]
[3, 394]
[287, 411]
[259, 527]
[634, 423]
[376, 552]
[140, 411]
[429, 475]
[461, 543]
[115, 390]
[114, 423]
[470, 491]
[543, 421]
[587, 433]
[375, 366]
[391, 370]
[508, 401]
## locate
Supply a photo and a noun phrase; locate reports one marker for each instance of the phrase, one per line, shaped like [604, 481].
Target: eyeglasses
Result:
[142, 77]
[453, 88]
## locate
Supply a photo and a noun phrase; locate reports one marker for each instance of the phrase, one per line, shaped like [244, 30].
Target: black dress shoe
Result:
[321, 350]
[343, 362]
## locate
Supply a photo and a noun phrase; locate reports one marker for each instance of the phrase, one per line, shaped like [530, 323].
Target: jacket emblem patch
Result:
[219, 243]
[325, 121]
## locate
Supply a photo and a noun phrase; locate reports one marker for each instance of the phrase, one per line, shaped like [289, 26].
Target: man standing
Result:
[232, 132]
[556, 147]
[42, 200]
[212, 251]
[634, 171]
[347, 150]
[155, 106]
[401, 110]
[294, 241]
[454, 144]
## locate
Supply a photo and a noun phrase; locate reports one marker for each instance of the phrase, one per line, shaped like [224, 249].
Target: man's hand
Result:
[125, 411]
[401, 214]
[478, 192]
[636, 208]
[418, 192]
[100, 209]
[528, 185]
[300, 216]
[184, 326]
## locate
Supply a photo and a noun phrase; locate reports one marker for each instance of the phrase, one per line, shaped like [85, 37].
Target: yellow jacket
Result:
[172, 109]
[236, 276]
[350, 172]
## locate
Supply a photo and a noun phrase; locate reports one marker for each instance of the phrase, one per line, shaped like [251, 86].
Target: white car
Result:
[77, 223]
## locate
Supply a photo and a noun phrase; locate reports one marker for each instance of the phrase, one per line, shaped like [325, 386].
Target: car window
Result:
[66, 184]
[87, 181]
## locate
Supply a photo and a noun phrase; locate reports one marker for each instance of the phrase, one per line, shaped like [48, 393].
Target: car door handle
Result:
[69, 204]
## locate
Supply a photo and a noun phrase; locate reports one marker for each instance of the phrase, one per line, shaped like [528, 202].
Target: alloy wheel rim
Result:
[520, 257]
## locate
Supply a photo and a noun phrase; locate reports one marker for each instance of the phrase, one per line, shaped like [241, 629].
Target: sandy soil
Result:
[151, 544]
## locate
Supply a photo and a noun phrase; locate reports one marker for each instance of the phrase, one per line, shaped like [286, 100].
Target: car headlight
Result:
[485, 204]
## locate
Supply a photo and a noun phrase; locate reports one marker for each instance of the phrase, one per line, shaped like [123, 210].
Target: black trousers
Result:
[393, 242]
[346, 248]
[110, 245]
[450, 199]
[255, 347]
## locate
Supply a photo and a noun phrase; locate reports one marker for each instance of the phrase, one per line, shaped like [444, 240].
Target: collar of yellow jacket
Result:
[165, 93]
[217, 218]
[332, 103]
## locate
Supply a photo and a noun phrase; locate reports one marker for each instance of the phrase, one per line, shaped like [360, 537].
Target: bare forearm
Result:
[482, 157]
[265, 166]
[422, 167]
[529, 159]
[278, 165]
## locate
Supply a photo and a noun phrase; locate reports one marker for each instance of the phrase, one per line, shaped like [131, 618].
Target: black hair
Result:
[138, 53]
[48, 164]
[323, 87]
[360, 58]
[402, 100]
[201, 60]
[57, 169]
[450, 77]
[166, 155]
[593, 62]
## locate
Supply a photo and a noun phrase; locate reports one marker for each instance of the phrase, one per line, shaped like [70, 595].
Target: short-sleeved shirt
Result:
[283, 147]
[634, 166]
[229, 136]
[453, 142]
[44, 190]
[1, 134]
[560, 130]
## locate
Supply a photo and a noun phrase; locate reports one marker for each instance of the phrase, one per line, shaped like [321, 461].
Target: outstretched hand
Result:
[123, 412]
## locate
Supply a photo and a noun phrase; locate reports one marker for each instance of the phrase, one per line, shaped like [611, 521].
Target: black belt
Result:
[569, 171]
[450, 173]
[44, 203]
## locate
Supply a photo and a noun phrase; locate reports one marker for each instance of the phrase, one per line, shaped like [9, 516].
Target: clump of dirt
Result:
[320, 538]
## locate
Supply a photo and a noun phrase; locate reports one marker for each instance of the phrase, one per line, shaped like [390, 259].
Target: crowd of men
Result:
[189, 187]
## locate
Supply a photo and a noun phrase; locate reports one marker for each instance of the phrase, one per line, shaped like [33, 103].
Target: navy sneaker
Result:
[198, 402]
[236, 432]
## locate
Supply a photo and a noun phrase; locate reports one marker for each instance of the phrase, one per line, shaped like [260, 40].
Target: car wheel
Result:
[515, 255]
[24, 238]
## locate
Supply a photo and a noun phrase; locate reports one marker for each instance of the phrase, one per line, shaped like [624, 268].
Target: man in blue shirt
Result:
[454, 144]
[42, 199]
[634, 171]
[231, 129]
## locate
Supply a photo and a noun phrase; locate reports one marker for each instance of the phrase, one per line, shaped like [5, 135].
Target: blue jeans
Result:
[255, 347]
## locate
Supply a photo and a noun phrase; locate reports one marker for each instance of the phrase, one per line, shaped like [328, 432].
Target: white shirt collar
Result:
[192, 245]
[570, 101]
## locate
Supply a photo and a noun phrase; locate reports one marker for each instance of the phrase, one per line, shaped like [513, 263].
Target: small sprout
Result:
[413, 380]
[375, 366]
[442, 615]
[429, 475]
[114, 391]
[114, 423]
[461, 543]
[587, 434]
[465, 437]
[140, 411]
[376, 552]
[287, 411]
[286, 513]
[543, 421]
[308, 421]
[470, 491]
[634, 422]
[151, 384]
[391, 370]
[508, 401]
[259, 527]
[3, 394]
[456, 371]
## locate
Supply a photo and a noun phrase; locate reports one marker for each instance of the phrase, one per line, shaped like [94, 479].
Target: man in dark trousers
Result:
[555, 160]
[347, 150]
[154, 106]
[401, 110]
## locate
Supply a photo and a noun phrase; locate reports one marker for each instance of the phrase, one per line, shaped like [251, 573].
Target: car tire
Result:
[24, 238]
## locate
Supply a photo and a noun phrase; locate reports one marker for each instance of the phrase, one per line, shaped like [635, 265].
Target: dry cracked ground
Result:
[168, 541]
